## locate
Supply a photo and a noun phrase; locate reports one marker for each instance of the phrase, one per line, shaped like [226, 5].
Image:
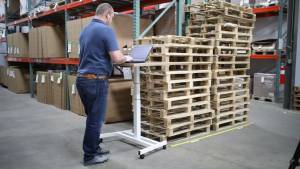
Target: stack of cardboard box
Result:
[50, 88]
[58, 84]
[46, 42]
[43, 87]
[122, 24]
[4, 76]
[17, 80]
[17, 44]
[75, 102]
[118, 104]
[1, 75]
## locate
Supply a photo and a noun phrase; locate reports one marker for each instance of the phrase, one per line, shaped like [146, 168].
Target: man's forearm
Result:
[120, 60]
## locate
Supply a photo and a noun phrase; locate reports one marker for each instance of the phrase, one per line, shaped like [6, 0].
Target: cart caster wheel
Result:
[101, 140]
[142, 156]
[165, 147]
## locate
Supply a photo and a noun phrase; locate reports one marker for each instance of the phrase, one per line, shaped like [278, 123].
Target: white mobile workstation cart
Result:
[134, 135]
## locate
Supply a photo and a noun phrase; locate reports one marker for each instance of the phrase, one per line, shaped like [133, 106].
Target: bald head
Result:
[104, 9]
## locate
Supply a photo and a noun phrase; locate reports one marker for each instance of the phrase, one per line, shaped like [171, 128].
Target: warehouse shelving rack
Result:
[76, 8]
[277, 10]
[123, 6]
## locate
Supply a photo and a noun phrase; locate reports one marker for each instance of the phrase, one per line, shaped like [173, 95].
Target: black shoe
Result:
[102, 151]
[98, 159]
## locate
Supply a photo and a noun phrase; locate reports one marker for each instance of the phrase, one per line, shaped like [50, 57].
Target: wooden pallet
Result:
[242, 106]
[169, 131]
[218, 28]
[175, 40]
[230, 122]
[264, 52]
[204, 130]
[227, 19]
[225, 43]
[296, 107]
[178, 102]
[225, 36]
[225, 51]
[222, 80]
[242, 43]
[233, 65]
[242, 99]
[244, 37]
[176, 86]
[267, 99]
[245, 30]
[242, 58]
[243, 51]
[164, 95]
[242, 65]
[149, 111]
[177, 68]
[166, 77]
[227, 85]
[224, 66]
[196, 111]
[200, 123]
[224, 109]
[217, 73]
[171, 49]
[180, 57]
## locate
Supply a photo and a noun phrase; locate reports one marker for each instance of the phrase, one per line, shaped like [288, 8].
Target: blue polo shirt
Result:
[96, 41]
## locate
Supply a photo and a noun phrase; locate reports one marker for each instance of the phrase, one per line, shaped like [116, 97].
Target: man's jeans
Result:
[93, 94]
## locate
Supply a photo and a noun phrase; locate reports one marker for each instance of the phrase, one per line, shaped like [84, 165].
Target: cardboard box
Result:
[10, 46]
[58, 83]
[18, 44]
[46, 42]
[43, 88]
[18, 80]
[1, 74]
[76, 105]
[119, 106]
[22, 44]
[34, 43]
[4, 76]
[73, 30]
[122, 24]
[53, 42]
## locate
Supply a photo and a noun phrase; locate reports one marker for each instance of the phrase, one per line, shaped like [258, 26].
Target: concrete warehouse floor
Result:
[37, 136]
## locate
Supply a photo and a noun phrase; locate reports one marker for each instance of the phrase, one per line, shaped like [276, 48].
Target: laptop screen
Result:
[140, 52]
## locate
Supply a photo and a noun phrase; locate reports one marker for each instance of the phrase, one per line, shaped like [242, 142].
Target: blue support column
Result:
[31, 81]
[187, 16]
[136, 19]
[67, 56]
[279, 50]
[179, 17]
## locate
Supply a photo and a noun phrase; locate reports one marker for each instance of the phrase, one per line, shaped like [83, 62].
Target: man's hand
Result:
[128, 58]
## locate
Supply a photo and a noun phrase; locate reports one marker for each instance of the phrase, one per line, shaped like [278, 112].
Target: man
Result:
[98, 50]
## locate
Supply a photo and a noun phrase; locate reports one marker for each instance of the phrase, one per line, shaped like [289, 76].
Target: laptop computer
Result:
[140, 53]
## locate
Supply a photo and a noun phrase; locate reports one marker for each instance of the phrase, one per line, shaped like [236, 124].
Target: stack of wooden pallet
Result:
[230, 26]
[297, 98]
[175, 87]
